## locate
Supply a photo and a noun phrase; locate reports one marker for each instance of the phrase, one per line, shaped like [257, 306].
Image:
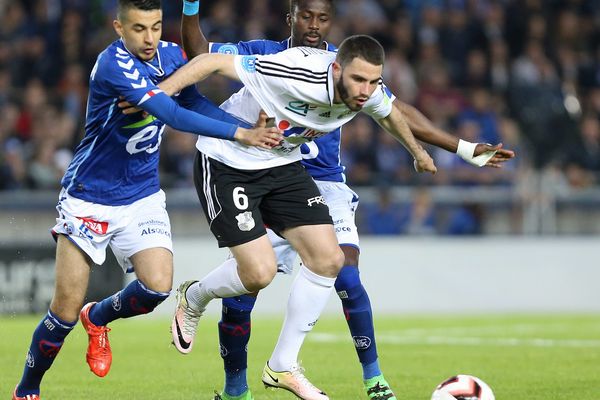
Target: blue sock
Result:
[359, 317]
[234, 334]
[135, 299]
[46, 342]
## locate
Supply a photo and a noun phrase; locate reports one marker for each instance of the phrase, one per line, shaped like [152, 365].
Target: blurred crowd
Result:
[525, 73]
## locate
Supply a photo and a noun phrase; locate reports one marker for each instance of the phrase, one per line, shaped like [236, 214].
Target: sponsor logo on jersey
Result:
[361, 342]
[98, 227]
[245, 221]
[342, 294]
[228, 49]
[326, 114]
[300, 107]
[342, 229]
[249, 63]
[316, 200]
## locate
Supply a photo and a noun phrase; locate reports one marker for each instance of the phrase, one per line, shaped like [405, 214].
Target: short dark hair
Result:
[294, 4]
[362, 46]
[124, 5]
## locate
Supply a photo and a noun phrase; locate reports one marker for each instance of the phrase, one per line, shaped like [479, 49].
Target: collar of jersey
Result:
[288, 44]
[330, 88]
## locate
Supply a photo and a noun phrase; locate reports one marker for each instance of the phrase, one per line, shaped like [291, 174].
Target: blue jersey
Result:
[321, 157]
[116, 163]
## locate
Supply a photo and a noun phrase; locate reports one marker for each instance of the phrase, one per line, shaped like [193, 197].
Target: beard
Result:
[341, 88]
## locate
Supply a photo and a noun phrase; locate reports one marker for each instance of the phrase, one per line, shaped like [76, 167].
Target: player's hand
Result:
[501, 155]
[265, 138]
[424, 163]
[261, 121]
[126, 107]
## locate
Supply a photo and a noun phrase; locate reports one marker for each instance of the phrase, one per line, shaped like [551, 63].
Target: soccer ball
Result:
[463, 387]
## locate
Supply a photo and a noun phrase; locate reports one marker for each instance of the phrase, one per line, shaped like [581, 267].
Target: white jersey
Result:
[295, 87]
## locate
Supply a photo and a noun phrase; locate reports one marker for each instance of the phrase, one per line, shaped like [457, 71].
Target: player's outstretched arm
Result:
[198, 69]
[192, 37]
[479, 154]
[395, 124]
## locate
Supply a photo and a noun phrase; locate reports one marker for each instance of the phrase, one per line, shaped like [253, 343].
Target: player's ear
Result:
[337, 70]
[288, 19]
[118, 27]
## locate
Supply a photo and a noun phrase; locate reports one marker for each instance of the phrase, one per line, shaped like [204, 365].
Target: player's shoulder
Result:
[113, 60]
[171, 51]
[308, 56]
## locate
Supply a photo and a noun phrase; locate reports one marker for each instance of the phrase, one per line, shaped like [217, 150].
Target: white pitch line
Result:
[462, 341]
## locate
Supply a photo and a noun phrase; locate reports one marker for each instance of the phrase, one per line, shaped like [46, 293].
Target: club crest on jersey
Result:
[245, 221]
[98, 227]
[249, 63]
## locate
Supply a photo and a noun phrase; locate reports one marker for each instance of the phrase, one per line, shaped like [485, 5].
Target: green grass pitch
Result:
[542, 357]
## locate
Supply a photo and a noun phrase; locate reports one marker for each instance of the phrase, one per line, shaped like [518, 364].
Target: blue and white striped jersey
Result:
[321, 157]
[116, 162]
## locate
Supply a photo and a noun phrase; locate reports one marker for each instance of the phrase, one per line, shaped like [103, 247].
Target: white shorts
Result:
[128, 229]
[342, 202]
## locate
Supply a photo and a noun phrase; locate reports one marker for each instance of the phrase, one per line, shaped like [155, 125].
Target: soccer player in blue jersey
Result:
[111, 193]
[310, 22]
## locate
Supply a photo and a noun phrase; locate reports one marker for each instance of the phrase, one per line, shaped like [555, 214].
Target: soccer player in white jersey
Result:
[310, 22]
[309, 92]
[111, 193]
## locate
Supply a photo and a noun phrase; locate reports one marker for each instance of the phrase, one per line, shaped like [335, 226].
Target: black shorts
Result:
[239, 203]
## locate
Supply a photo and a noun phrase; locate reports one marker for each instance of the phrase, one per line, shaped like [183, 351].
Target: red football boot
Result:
[99, 355]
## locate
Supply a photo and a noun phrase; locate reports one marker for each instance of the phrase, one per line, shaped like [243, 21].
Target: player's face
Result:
[356, 82]
[140, 30]
[310, 23]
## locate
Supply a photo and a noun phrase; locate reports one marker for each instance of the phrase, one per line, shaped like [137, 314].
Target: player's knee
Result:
[349, 277]
[160, 282]
[257, 278]
[328, 263]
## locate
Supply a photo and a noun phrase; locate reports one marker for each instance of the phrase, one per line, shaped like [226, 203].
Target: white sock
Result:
[308, 296]
[223, 281]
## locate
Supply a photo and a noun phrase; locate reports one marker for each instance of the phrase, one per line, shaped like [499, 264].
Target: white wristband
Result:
[466, 150]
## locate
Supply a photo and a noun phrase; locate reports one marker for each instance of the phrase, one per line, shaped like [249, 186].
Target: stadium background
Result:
[525, 73]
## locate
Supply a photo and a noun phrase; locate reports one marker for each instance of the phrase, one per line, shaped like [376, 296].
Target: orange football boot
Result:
[99, 355]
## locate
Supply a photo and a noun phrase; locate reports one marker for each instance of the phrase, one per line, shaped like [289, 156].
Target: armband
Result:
[191, 7]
